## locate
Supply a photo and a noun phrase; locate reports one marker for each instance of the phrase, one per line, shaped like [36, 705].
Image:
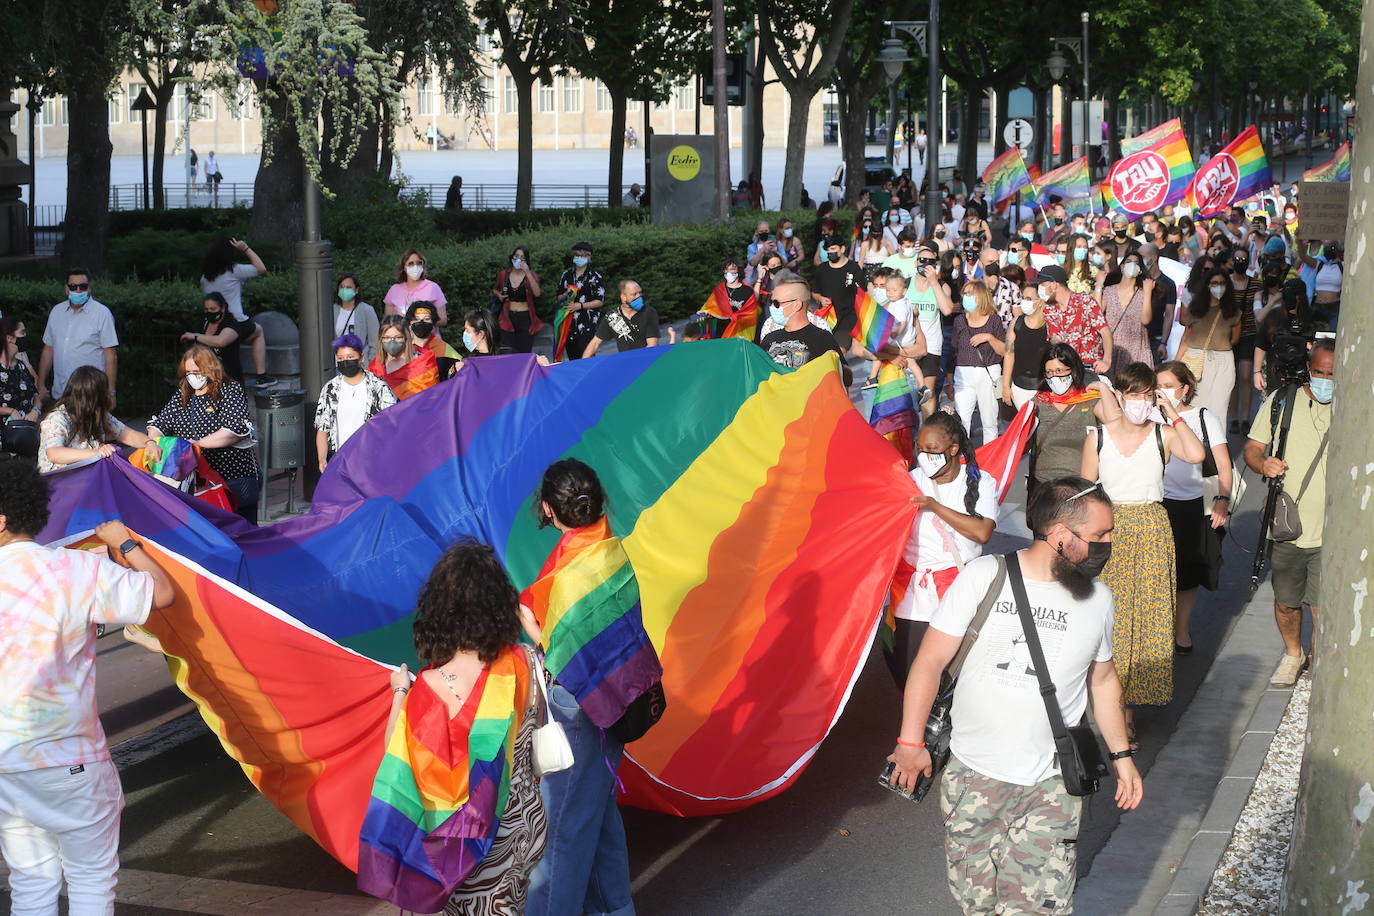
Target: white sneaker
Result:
[1286, 674]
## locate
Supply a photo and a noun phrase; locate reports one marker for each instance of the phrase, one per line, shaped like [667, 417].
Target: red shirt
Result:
[1078, 323]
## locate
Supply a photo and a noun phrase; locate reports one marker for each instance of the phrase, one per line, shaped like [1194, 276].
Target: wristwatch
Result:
[1118, 755]
[128, 546]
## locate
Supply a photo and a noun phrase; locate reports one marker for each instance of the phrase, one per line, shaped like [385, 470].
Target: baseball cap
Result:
[1053, 273]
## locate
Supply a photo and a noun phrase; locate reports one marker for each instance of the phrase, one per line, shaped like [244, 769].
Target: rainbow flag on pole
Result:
[1069, 182]
[1239, 171]
[1006, 175]
[875, 323]
[1335, 169]
[893, 406]
[1155, 169]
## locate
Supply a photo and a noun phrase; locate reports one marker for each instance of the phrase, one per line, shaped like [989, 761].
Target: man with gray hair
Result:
[1163, 300]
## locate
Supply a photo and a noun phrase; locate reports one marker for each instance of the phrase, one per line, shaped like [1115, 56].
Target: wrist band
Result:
[1175, 421]
[910, 743]
[400, 690]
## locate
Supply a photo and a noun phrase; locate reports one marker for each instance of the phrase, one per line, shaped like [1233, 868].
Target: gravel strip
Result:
[1249, 878]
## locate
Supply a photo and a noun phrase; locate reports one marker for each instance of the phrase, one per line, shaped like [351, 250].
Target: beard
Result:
[1078, 583]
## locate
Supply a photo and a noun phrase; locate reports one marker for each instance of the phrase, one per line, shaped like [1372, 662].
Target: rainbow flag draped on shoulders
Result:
[421, 373]
[875, 324]
[1006, 175]
[737, 322]
[1237, 172]
[1337, 168]
[586, 600]
[1156, 168]
[442, 788]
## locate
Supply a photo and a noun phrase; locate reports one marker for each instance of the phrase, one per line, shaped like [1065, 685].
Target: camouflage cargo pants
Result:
[1010, 849]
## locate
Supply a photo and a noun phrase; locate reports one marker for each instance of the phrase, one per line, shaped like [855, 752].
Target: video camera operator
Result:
[1282, 337]
[1297, 442]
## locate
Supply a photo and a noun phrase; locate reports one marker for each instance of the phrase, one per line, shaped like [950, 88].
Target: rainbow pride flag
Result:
[875, 324]
[1155, 169]
[756, 505]
[1068, 182]
[418, 375]
[586, 600]
[1006, 175]
[739, 323]
[1237, 172]
[893, 406]
[441, 788]
[562, 323]
[1337, 168]
[178, 461]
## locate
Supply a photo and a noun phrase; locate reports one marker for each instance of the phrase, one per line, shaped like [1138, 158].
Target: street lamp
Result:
[144, 104]
[1058, 66]
[894, 59]
[927, 36]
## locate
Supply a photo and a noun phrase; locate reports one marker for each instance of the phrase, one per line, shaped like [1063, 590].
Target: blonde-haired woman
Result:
[979, 345]
[209, 409]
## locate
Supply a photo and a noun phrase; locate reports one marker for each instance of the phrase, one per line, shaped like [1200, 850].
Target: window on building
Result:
[632, 105]
[489, 95]
[572, 94]
[686, 97]
[116, 109]
[66, 112]
[512, 96]
[49, 115]
[424, 88]
[483, 37]
[244, 104]
[131, 92]
[203, 106]
[547, 99]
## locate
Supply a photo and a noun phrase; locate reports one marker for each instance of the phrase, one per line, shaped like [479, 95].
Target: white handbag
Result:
[552, 752]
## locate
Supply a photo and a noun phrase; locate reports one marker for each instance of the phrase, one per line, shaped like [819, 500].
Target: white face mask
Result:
[1136, 411]
[1027, 306]
[908, 252]
[1171, 394]
[731, 276]
[879, 295]
[195, 380]
[931, 465]
[1217, 291]
[1130, 269]
[415, 271]
[1046, 291]
[1059, 384]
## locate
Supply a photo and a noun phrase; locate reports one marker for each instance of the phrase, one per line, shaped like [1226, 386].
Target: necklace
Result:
[448, 682]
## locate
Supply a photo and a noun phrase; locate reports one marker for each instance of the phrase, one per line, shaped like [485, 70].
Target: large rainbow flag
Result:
[1337, 168]
[1006, 175]
[758, 509]
[1237, 172]
[1155, 169]
[1068, 182]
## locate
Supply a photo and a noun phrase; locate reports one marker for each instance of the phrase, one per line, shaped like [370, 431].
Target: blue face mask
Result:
[1013, 258]
[1323, 389]
[1028, 236]
[580, 261]
[78, 298]
[637, 303]
[469, 341]
[879, 295]
[775, 313]
[1060, 258]
[970, 303]
[1080, 254]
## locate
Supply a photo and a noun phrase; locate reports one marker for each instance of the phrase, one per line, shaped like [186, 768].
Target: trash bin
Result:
[283, 344]
[281, 442]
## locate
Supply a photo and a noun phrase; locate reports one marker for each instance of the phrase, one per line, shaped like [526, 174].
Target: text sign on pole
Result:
[682, 170]
[1324, 206]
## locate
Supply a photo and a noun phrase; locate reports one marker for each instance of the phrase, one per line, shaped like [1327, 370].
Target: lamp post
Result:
[35, 105]
[1058, 65]
[144, 104]
[927, 36]
[894, 59]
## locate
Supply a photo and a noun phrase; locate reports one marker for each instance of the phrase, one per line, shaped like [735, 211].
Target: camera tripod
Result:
[1278, 446]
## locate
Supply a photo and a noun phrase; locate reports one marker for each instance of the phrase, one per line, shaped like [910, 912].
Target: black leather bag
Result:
[1081, 760]
[20, 437]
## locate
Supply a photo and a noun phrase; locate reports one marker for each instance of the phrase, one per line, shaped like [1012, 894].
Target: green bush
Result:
[224, 220]
[470, 225]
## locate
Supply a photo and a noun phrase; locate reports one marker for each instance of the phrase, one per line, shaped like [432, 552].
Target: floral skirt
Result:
[1140, 575]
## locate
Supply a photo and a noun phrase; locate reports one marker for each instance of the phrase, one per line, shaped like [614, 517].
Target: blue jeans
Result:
[579, 874]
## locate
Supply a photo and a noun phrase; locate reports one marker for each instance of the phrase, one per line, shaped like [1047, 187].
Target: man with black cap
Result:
[837, 281]
[581, 291]
[1075, 319]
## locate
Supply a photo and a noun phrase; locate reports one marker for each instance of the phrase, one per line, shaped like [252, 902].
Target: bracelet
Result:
[1175, 421]
[1222, 498]
[910, 743]
[1118, 755]
[401, 690]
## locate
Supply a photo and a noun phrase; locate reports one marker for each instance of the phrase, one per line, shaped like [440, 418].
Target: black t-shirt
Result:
[631, 333]
[1165, 294]
[839, 284]
[229, 354]
[795, 349]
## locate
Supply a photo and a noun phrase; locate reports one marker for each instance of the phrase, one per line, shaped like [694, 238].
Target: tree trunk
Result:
[163, 98]
[968, 133]
[279, 189]
[754, 138]
[797, 118]
[853, 113]
[615, 175]
[1111, 109]
[1041, 127]
[524, 165]
[87, 229]
[999, 143]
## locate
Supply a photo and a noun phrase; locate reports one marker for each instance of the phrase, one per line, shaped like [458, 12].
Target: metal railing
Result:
[502, 196]
[180, 196]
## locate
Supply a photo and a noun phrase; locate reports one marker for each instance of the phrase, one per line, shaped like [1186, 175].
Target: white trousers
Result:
[977, 387]
[1019, 395]
[54, 822]
[1218, 379]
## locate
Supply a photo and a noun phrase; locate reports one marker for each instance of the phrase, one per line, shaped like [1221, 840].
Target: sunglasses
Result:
[78, 287]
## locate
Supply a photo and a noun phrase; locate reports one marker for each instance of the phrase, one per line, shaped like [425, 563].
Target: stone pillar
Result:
[1331, 860]
[14, 217]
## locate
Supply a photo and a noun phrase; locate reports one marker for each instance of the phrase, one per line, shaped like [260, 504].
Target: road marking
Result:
[166, 737]
[663, 861]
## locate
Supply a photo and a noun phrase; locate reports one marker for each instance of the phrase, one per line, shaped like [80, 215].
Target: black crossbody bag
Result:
[1081, 761]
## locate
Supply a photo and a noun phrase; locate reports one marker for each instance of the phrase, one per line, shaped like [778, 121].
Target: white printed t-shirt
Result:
[925, 548]
[1000, 726]
[50, 601]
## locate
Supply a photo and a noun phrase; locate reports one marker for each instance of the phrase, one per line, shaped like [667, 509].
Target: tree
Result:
[802, 41]
[533, 35]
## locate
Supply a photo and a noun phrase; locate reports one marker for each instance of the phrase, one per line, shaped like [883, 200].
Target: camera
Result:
[1287, 358]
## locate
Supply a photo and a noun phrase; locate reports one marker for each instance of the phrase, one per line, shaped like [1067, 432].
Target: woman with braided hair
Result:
[958, 504]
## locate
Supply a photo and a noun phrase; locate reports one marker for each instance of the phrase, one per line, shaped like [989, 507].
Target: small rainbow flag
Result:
[1006, 175]
[178, 461]
[1069, 182]
[1239, 171]
[1337, 168]
[586, 600]
[1155, 169]
[875, 323]
[442, 787]
[562, 325]
[893, 406]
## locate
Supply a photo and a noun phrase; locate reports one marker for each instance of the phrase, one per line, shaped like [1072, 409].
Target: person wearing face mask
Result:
[80, 332]
[1067, 403]
[940, 237]
[789, 246]
[797, 341]
[1128, 456]
[1212, 327]
[1324, 275]
[633, 326]
[1183, 497]
[517, 289]
[957, 513]
[979, 346]
[1078, 264]
[480, 337]
[1058, 228]
[18, 389]
[348, 400]
[1011, 828]
[209, 409]
[1121, 243]
[81, 426]
[1027, 340]
[870, 252]
[579, 304]
[894, 222]
[1296, 565]
[1163, 295]
[222, 333]
[420, 317]
[1128, 307]
[835, 283]
[1075, 319]
[1018, 254]
[732, 308]
[414, 285]
[354, 316]
[406, 368]
[929, 300]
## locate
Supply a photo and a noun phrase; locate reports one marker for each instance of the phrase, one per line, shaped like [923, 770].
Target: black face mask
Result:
[213, 317]
[1059, 220]
[834, 256]
[349, 367]
[422, 329]
[1240, 262]
[1099, 552]
[939, 233]
[1119, 233]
